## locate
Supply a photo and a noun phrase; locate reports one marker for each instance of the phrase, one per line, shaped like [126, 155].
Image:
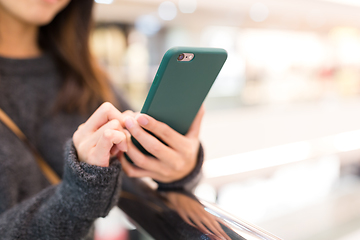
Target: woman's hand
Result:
[173, 161]
[101, 136]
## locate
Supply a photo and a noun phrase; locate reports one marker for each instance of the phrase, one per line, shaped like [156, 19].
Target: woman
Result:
[49, 85]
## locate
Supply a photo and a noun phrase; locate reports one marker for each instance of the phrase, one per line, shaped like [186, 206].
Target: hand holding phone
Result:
[167, 163]
[181, 84]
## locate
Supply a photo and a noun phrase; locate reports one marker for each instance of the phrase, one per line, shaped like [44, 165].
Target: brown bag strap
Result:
[49, 173]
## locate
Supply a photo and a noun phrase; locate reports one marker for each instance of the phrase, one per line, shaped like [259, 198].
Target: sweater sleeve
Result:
[67, 210]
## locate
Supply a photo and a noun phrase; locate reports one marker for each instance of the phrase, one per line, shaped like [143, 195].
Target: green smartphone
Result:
[181, 84]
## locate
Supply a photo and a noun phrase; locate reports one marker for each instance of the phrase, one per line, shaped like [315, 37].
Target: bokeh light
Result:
[147, 24]
[259, 12]
[104, 1]
[187, 6]
[167, 11]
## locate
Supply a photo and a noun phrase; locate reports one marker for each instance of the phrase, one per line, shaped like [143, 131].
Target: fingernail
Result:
[128, 135]
[124, 148]
[129, 123]
[142, 120]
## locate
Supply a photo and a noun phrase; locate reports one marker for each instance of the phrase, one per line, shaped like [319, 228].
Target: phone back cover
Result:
[179, 88]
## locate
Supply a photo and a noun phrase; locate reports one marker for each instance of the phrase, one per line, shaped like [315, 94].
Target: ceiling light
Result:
[187, 6]
[259, 12]
[147, 24]
[104, 1]
[167, 11]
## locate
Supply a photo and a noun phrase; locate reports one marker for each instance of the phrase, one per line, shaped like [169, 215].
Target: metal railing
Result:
[180, 215]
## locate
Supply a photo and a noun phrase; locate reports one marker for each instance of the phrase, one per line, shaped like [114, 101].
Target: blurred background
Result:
[282, 127]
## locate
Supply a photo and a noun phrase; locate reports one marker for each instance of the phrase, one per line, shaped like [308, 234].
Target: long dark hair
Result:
[85, 85]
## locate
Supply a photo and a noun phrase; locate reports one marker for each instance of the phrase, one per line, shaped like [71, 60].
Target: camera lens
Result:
[181, 57]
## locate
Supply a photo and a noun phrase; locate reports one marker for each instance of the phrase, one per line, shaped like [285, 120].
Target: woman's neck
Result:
[18, 39]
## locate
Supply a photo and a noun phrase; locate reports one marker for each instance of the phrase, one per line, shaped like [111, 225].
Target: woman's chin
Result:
[39, 12]
[40, 20]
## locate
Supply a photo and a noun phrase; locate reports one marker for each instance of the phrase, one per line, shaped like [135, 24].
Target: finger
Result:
[199, 224]
[106, 112]
[219, 222]
[204, 218]
[122, 146]
[79, 134]
[143, 161]
[133, 171]
[194, 129]
[195, 219]
[185, 218]
[129, 113]
[220, 230]
[114, 151]
[210, 224]
[161, 130]
[100, 154]
[92, 140]
[149, 142]
[209, 221]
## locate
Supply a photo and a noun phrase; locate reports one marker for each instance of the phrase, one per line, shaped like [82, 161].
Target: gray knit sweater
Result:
[30, 208]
